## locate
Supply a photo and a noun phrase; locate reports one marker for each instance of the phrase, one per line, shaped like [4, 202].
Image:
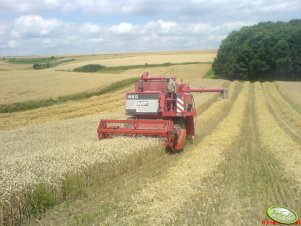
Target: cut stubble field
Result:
[290, 90]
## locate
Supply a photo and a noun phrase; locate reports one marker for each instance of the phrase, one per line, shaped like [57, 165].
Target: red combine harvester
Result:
[159, 107]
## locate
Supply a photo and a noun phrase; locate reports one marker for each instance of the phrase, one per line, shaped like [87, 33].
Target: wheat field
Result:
[54, 171]
[20, 83]
[25, 85]
[142, 59]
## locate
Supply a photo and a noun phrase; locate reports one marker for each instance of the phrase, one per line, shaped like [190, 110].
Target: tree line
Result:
[266, 51]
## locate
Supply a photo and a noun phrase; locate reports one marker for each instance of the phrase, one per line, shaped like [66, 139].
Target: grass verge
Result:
[49, 64]
[209, 74]
[31, 60]
[39, 62]
[29, 105]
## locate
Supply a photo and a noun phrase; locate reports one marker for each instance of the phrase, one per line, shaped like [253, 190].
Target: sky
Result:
[55, 27]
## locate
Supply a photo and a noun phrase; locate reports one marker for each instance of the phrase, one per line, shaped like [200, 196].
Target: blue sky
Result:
[50, 27]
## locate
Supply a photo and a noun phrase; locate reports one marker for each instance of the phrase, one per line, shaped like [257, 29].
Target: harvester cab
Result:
[158, 107]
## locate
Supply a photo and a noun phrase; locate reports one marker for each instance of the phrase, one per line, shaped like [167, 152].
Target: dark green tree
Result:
[266, 51]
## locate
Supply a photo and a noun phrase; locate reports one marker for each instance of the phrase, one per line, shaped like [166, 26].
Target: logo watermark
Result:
[281, 215]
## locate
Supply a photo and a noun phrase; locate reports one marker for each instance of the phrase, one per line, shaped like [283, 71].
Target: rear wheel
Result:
[181, 138]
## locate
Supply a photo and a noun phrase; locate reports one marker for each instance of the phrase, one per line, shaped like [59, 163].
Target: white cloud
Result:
[15, 34]
[279, 6]
[161, 27]
[216, 10]
[167, 25]
[2, 29]
[33, 34]
[96, 40]
[230, 26]
[34, 25]
[122, 28]
[216, 38]
[104, 25]
[90, 28]
[48, 42]
[29, 6]
[12, 44]
[200, 27]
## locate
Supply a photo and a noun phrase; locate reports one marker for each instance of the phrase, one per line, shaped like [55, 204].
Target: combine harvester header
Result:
[159, 107]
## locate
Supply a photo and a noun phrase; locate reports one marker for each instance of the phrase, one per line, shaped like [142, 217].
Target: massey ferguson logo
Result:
[142, 103]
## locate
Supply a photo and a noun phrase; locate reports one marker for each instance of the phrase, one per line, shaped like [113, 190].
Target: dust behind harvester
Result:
[159, 107]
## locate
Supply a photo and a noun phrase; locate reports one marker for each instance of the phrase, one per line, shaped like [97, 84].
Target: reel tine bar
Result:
[141, 127]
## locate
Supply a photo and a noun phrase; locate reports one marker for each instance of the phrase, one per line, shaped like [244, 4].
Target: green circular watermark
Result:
[282, 215]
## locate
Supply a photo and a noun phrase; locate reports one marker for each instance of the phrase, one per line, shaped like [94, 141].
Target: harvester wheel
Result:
[180, 141]
[180, 134]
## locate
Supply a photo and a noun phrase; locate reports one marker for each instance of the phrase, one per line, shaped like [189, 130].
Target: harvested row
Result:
[207, 120]
[275, 139]
[199, 97]
[160, 199]
[218, 198]
[283, 110]
[290, 91]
